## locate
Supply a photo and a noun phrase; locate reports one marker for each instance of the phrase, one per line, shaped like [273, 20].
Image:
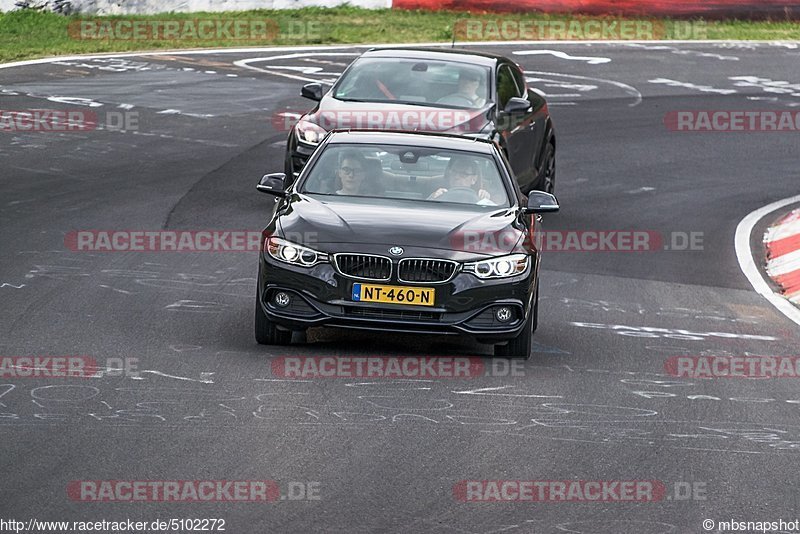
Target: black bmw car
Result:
[438, 90]
[407, 232]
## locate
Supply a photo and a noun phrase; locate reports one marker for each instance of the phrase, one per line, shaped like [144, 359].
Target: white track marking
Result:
[687, 85]
[205, 378]
[205, 51]
[492, 391]
[743, 230]
[563, 55]
[246, 64]
[678, 51]
[632, 91]
[748, 264]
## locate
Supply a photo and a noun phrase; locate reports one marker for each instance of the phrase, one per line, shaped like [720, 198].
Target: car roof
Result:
[452, 54]
[416, 139]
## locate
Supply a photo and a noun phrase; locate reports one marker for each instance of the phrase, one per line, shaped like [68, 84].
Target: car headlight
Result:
[308, 132]
[501, 267]
[292, 253]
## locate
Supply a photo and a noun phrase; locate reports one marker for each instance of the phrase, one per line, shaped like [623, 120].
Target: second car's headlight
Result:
[308, 132]
[292, 253]
[502, 267]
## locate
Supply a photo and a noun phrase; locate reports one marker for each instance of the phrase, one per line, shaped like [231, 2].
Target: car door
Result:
[520, 131]
[538, 125]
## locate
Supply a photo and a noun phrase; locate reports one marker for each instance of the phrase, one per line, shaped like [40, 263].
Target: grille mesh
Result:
[426, 271]
[364, 266]
[402, 315]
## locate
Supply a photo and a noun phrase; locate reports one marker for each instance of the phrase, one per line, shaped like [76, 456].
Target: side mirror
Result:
[541, 202]
[517, 104]
[273, 184]
[312, 91]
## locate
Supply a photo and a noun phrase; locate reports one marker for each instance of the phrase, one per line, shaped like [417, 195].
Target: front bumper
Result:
[463, 306]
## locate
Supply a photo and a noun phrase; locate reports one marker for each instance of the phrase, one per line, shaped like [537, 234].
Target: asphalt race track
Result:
[594, 403]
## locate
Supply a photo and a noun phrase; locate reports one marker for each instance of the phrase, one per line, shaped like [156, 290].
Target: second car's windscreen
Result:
[433, 83]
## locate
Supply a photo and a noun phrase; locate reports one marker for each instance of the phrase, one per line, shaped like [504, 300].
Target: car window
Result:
[422, 82]
[519, 78]
[398, 172]
[506, 86]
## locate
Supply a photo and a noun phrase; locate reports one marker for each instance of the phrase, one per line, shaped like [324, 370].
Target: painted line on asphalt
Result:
[197, 51]
[743, 230]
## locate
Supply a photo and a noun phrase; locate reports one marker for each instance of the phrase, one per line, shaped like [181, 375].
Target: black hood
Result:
[337, 224]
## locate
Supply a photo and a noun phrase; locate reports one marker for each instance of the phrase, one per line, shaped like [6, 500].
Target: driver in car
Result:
[467, 95]
[463, 175]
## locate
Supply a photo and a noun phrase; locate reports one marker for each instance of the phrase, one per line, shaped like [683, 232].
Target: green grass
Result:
[28, 34]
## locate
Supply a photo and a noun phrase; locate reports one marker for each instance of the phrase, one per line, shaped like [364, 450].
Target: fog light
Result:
[281, 299]
[503, 314]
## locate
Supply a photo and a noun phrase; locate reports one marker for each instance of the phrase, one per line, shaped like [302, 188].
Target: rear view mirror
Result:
[312, 91]
[517, 104]
[541, 202]
[274, 184]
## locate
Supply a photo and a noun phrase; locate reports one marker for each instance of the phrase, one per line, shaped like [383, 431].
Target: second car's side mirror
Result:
[517, 104]
[312, 91]
[541, 202]
[274, 184]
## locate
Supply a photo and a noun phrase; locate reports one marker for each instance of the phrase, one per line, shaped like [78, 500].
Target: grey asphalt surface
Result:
[593, 403]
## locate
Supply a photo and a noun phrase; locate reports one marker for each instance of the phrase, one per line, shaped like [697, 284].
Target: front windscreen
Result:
[422, 82]
[421, 174]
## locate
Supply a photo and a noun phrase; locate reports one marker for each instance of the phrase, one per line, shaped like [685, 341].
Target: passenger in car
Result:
[467, 94]
[464, 179]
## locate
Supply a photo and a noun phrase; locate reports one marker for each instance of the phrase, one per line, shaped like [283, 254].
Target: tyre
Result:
[266, 331]
[547, 178]
[520, 346]
[536, 309]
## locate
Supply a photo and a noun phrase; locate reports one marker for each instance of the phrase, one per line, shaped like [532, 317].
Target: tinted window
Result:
[423, 82]
[519, 78]
[506, 86]
[410, 173]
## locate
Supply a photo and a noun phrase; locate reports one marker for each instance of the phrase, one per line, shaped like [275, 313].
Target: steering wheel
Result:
[461, 194]
[456, 100]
